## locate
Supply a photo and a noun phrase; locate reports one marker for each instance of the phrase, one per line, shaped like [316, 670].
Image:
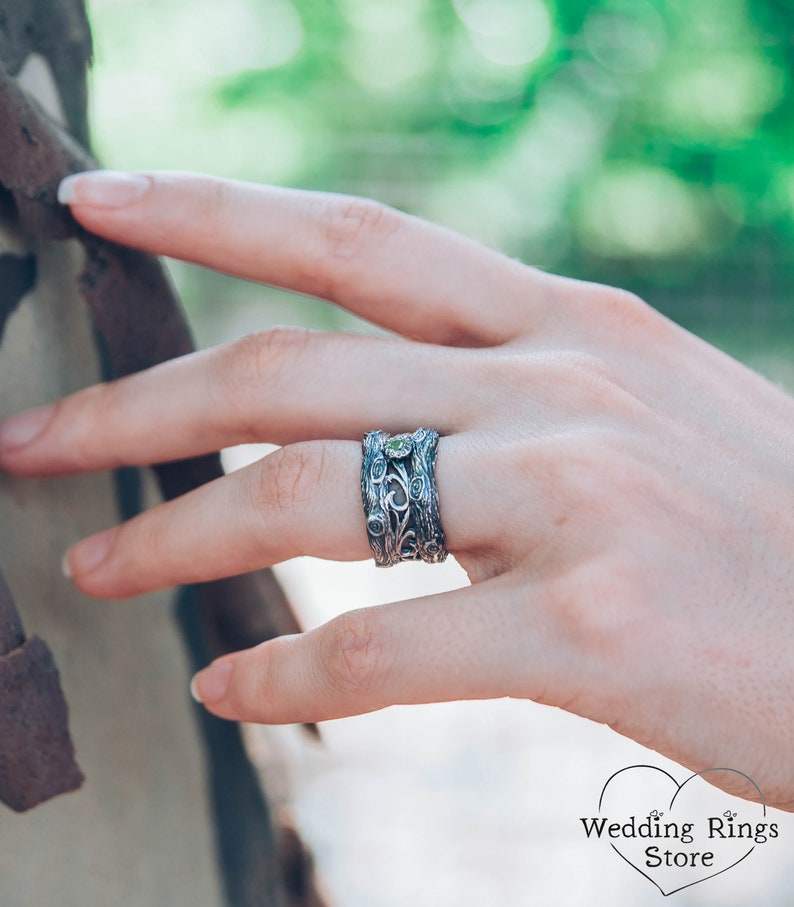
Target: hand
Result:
[618, 491]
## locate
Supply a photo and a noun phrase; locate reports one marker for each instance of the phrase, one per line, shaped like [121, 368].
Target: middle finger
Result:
[277, 386]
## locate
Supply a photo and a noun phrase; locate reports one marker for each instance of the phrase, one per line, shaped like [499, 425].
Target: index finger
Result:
[405, 274]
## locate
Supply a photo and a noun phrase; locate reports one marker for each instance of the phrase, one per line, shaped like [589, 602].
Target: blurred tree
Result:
[646, 143]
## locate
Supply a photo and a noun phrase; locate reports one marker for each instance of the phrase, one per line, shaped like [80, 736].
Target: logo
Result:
[679, 834]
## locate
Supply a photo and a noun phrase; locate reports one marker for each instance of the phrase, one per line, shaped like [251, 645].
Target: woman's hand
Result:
[619, 492]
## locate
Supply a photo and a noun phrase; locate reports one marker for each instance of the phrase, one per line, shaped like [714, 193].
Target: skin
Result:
[617, 490]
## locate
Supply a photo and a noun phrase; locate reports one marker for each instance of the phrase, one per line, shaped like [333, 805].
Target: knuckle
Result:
[352, 226]
[261, 356]
[629, 310]
[620, 308]
[588, 473]
[573, 382]
[597, 606]
[352, 653]
[626, 301]
[351, 229]
[254, 368]
[586, 476]
[289, 478]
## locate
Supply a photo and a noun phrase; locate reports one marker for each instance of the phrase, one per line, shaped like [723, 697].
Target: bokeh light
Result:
[507, 32]
[643, 143]
[637, 210]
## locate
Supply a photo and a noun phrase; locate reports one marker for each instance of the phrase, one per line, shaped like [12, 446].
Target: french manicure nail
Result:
[211, 684]
[21, 429]
[88, 554]
[103, 188]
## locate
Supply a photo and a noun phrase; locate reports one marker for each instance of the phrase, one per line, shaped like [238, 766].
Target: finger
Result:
[303, 499]
[299, 500]
[473, 643]
[402, 273]
[277, 386]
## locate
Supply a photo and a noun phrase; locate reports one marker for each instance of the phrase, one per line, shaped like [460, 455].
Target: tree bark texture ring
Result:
[398, 490]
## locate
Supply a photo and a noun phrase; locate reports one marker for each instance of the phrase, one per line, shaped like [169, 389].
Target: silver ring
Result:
[398, 490]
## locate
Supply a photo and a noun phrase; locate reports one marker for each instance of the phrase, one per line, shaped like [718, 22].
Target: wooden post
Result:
[171, 811]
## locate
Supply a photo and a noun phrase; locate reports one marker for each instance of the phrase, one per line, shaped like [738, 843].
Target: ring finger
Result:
[300, 500]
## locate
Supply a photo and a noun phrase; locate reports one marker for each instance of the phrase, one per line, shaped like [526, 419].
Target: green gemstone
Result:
[398, 447]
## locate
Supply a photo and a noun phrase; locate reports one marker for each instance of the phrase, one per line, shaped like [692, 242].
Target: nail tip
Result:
[24, 428]
[66, 569]
[194, 691]
[103, 188]
[66, 195]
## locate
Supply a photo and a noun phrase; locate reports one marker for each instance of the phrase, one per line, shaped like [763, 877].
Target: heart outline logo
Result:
[679, 788]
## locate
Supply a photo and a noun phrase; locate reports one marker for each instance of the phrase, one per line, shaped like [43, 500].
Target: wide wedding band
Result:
[398, 490]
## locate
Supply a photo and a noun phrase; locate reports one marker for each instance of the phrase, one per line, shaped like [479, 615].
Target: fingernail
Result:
[103, 188]
[88, 554]
[19, 430]
[211, 684]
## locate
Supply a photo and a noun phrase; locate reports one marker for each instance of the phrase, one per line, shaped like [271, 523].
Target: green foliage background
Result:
[645, 143]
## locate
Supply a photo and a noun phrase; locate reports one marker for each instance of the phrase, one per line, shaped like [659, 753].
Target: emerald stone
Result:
[398, 447]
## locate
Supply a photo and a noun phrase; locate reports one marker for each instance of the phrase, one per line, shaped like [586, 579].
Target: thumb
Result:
[471, 643]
